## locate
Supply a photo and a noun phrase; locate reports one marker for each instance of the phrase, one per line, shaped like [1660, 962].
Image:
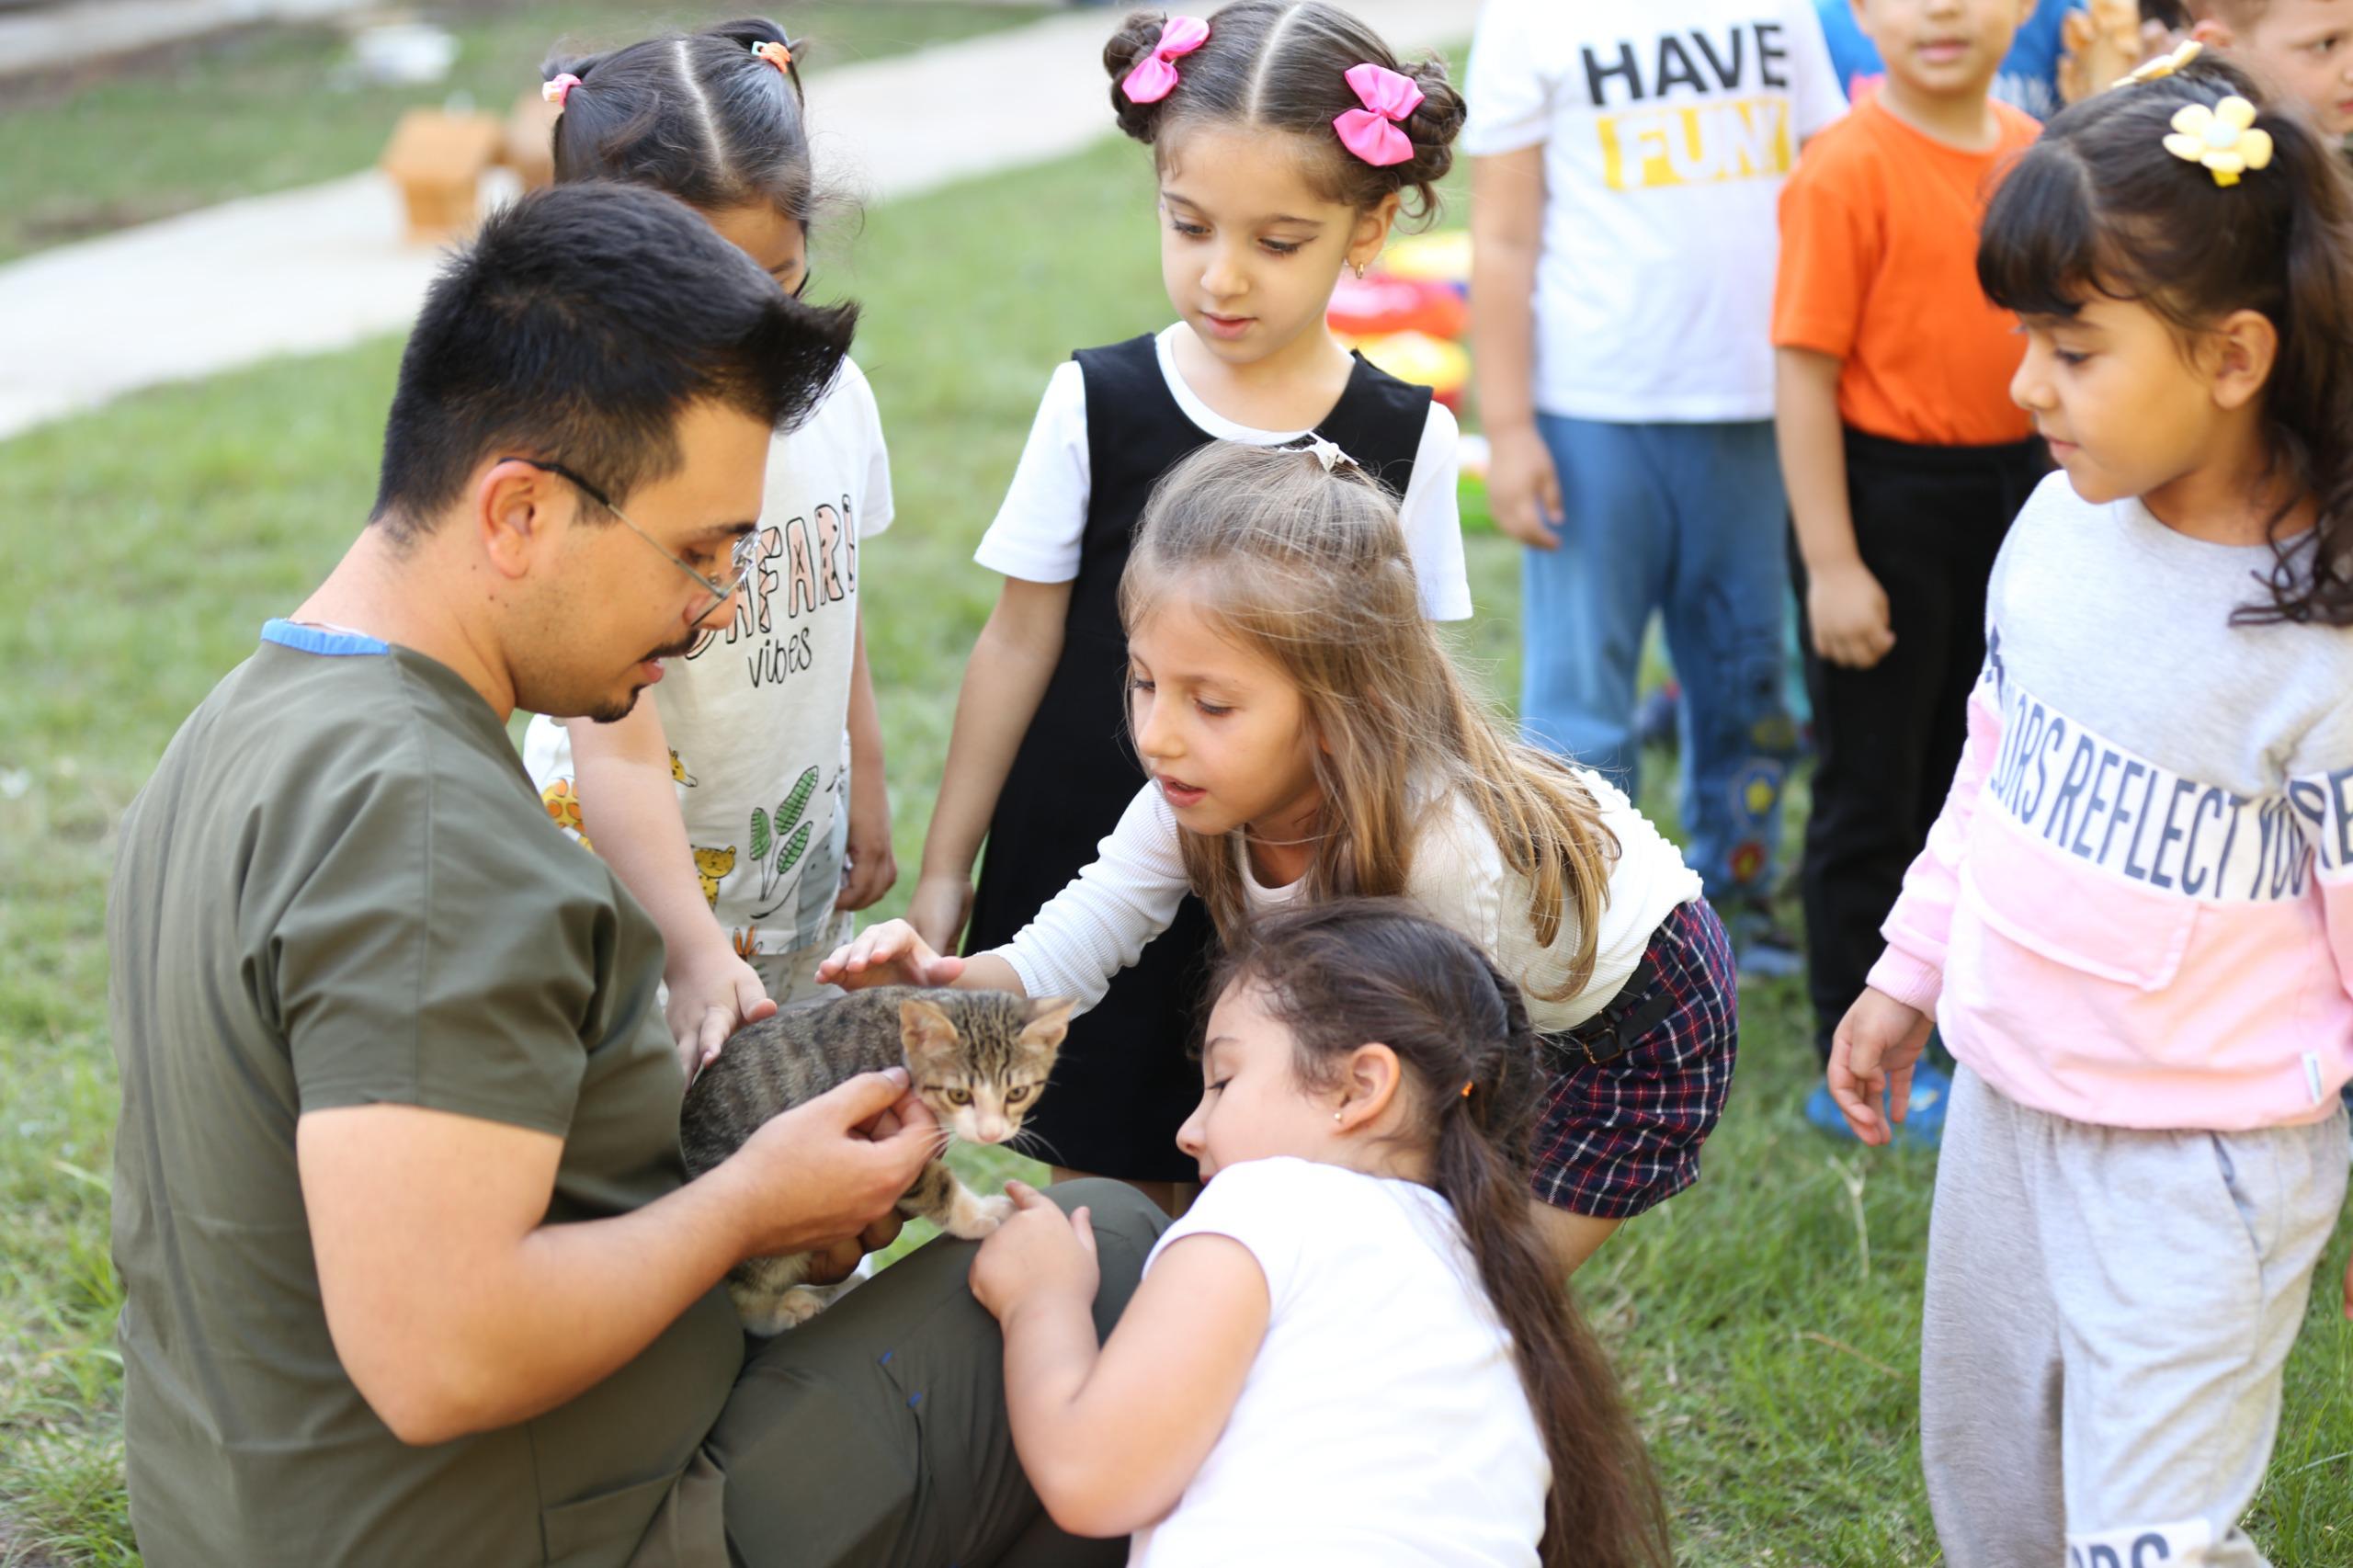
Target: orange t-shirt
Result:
[1879, 268]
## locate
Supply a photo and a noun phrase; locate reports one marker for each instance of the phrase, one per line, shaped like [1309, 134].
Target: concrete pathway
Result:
[325, 266]
[47, 37]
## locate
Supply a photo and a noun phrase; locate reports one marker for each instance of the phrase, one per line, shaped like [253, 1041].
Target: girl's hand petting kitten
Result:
[1038, 1254]
[712, 995]
[889, 954]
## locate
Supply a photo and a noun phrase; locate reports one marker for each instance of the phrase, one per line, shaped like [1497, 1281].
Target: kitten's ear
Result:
[925, 1027]
[1049, 1020]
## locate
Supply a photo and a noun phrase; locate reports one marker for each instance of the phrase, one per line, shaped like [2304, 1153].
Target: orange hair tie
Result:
[776, 54]
[1466, 1091]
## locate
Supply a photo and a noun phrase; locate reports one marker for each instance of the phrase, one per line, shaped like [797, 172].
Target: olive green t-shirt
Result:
[340, 889]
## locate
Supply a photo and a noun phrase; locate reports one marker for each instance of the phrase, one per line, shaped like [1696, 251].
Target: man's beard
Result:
[614, 712]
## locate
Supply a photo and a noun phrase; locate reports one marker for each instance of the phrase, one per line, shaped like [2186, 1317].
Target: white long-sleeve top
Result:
[1100, 923]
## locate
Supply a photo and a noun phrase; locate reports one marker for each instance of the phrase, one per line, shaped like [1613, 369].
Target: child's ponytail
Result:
[1341, 973]
[2308, 405]
[1129, 47]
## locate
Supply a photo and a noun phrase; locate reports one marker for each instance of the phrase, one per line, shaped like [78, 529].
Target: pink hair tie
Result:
[1154, 76]
[556, 91]
[1370, 132]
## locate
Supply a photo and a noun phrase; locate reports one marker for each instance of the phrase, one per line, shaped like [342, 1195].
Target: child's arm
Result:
[1111, 1437]
[1844, 604]
[1507, 230]
[1004, 682]
[629, 807]
[872, 868]
[1085, 936]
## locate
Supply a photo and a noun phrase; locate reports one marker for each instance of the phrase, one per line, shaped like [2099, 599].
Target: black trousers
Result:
[1928, 521]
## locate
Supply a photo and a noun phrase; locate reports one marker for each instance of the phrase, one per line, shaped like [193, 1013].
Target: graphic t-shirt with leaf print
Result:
[755, 714]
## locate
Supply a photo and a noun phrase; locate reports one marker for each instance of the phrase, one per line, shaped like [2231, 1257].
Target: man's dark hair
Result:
[576, 329]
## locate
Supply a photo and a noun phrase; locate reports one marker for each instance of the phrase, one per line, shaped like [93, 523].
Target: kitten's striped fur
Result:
[978, 1059]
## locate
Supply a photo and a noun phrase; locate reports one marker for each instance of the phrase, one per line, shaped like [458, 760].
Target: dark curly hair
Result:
[2099, 208]
[1283, 67]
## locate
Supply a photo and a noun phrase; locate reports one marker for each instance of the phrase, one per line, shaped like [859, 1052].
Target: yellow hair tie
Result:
[776, 54]
[2222, 139]
[2163, 65]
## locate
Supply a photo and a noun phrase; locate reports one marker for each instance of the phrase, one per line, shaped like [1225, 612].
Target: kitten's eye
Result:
[1015, 1097]
[960, 1097]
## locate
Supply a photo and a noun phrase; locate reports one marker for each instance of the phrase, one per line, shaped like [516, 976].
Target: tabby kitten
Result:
[979, 1059]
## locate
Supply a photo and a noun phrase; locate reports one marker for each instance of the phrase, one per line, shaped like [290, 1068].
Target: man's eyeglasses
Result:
[741, 559]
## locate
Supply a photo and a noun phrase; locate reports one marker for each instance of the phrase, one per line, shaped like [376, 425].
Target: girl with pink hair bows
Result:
[1286, 143]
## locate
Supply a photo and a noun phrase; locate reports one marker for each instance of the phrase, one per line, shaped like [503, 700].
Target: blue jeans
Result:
[1686, 520]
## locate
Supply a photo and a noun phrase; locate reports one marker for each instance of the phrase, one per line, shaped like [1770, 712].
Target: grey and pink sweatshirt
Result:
[2136, 909]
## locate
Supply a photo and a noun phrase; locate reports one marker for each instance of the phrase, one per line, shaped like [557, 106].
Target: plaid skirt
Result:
[1637, 1088]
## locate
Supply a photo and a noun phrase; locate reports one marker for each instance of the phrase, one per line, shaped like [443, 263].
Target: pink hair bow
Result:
[1154, 76]
[556, 91]
[1370, 132]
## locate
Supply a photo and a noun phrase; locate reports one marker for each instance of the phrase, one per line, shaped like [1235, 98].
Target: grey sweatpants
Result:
[2108, 1314]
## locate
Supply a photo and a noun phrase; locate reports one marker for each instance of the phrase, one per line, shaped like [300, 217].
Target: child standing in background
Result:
[2026, 78]
[1286, 139]
[2133, 921]
[1906, 460]
[2301, 50]
[1627, 160]
[744, 805]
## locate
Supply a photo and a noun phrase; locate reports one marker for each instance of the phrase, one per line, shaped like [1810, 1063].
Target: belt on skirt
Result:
[1643, 1003]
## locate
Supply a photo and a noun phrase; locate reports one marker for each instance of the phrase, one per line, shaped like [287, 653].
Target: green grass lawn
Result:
[1764, 1321]
[264, 110]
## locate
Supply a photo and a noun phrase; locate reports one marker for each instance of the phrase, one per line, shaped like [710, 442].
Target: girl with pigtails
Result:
[743, 803]
[1287, 141]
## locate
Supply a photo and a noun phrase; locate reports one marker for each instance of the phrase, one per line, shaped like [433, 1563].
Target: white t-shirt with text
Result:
[1383, 1423]
[1668, 127]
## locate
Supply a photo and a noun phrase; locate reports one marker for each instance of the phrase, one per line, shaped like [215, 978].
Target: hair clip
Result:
[559, 89]
[2164, 65]
[1328, 453]
[1370, 132]
[776, 54]
[2222, 139]
[1154, 76]
[1466, 1090]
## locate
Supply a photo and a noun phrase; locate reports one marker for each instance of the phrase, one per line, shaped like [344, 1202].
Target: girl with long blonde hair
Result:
[1307, 738]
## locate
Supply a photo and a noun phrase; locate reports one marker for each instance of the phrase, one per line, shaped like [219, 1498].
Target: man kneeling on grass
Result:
[414, 1272]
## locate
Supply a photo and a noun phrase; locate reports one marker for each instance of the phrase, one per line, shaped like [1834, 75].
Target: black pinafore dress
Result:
[1126, 1080]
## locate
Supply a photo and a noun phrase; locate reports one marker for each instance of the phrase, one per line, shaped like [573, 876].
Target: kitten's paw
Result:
[773, 1316]
[977, 1217]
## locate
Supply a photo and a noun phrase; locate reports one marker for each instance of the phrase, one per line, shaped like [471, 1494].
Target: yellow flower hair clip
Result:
[2163, 65]
[2223, 138]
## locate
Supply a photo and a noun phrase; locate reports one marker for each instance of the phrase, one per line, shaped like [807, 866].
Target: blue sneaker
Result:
[1762, 948]
[1923, 1126]
[1657, 717]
